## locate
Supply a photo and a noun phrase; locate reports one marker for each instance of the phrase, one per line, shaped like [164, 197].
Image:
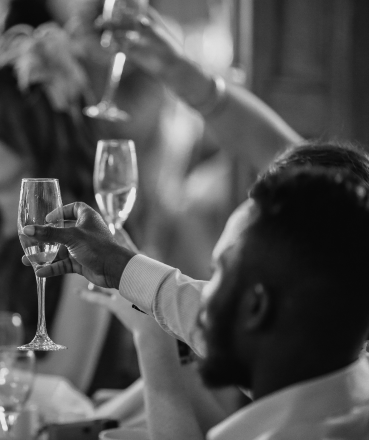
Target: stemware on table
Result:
[126, 12]
[17, 369]
[38, 198]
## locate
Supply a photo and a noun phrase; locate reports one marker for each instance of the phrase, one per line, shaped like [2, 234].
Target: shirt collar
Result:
[306, 402]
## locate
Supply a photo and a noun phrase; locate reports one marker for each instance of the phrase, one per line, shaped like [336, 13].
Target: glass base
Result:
[42, 343]
[104, 111]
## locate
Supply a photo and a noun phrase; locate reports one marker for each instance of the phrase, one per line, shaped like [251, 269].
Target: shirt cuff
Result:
[141, 280]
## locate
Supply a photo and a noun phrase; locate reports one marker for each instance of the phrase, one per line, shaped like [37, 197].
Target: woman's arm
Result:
[243, 124]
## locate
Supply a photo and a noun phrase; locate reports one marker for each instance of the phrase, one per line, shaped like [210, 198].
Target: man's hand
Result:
[88, 248]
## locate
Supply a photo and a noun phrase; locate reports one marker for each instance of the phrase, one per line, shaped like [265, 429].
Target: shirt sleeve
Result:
[163, 292]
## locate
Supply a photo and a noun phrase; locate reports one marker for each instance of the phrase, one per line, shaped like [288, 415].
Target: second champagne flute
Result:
[127, 13]
[17, 369]
[115, 181]
[38, 198]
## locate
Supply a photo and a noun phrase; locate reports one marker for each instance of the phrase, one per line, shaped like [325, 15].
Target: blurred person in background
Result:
[179, 222]
[226, 114]
[164, 132]
[184, 195]
[43, 133]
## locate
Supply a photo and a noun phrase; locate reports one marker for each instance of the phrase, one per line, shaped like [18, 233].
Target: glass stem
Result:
[116, 71]
[41, 323]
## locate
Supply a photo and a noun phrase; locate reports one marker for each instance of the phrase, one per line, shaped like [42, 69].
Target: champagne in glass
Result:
[17, 370]
[38, 198]
[126, 12]
[115, 181]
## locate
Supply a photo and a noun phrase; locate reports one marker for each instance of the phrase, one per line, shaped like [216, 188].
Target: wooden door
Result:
[302, 58]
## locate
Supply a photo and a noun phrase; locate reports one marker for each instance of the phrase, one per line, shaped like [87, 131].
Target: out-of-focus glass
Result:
[115, 180]
[17, 370]
[126, 12]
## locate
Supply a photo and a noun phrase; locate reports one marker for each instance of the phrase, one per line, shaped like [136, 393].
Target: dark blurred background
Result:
[308, 59]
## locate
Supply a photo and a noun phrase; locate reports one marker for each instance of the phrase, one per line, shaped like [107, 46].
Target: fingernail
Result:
[29, 230]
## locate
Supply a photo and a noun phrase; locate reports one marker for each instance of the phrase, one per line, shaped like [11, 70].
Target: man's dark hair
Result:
[317, 221]
[309, 248]
[340, 155]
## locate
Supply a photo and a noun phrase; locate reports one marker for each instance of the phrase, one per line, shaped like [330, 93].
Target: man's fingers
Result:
[70, 212]
[61, 267]
[76, 209]
[49, 234]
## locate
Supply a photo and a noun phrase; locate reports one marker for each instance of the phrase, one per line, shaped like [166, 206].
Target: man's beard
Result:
[220, 367]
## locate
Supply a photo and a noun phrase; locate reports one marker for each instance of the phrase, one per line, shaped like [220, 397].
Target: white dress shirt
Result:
[332, 407]
[172, 298]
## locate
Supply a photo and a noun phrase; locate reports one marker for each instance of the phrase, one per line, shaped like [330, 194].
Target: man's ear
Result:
[255, 307]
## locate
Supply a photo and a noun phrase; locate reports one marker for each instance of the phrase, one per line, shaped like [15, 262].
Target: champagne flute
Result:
[115, 181]
[38, 197]
[126, 12]
[17, 370]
